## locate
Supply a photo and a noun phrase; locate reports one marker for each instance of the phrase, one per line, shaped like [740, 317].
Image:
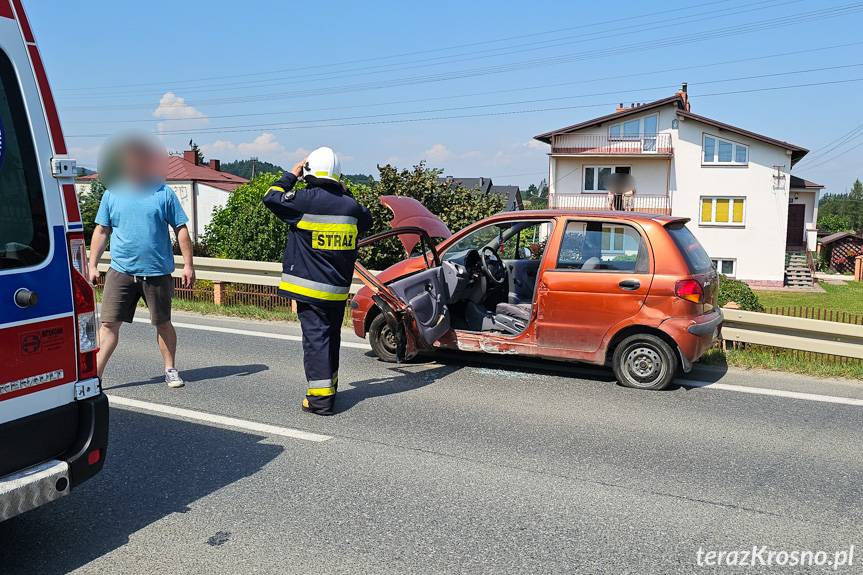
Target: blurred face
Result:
[136, 160]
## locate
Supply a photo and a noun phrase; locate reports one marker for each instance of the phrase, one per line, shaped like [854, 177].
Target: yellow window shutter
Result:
[738, 211]
[722, 210]
[706, 209]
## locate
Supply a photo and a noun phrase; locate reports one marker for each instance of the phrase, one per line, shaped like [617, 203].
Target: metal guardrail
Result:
[230, 271]
[802, 334]
[797, 333]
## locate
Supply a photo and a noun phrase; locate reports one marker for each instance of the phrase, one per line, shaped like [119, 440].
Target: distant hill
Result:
[243, 168]
[358, 178]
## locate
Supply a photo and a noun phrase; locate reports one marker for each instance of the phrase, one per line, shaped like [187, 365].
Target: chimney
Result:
[449, 180]
[480, 183]
[683, 94]
[190, 156]
[620, 108]
[216, 165]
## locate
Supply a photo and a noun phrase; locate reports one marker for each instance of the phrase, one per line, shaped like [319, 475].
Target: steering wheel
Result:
[487, 269]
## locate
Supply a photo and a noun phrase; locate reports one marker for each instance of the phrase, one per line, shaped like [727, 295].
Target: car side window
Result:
[602, 246]
[24, 239]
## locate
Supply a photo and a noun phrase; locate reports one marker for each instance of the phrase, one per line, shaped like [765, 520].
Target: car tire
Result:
[645, 361]
[382, 340]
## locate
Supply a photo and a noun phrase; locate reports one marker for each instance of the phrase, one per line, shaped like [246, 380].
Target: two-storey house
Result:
[733, 184]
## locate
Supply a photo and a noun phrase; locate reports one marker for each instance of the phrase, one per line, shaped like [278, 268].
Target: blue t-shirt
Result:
[140, 242]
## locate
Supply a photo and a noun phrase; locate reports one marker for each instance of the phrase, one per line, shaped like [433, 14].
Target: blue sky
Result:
[456, 83]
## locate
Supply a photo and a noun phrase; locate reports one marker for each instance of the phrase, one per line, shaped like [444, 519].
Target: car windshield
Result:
[696, 258]
[24, 237]
[513, 240]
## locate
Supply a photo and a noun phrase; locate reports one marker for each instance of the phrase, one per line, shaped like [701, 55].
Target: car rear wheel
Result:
[382, 340]
[644, 361]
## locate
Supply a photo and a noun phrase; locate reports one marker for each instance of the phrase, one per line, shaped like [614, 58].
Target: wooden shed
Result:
[840, 250]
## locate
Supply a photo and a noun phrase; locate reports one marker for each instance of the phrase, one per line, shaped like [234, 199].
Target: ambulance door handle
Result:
[26, 298]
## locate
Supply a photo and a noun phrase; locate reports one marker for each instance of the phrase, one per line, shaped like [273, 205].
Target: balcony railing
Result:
[620, 144]
[642, 203]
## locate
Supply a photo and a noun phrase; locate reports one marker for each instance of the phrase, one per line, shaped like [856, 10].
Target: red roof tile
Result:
[180, 170]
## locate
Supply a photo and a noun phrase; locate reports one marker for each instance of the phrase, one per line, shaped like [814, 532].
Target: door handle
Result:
[26, 298]
[629, 285]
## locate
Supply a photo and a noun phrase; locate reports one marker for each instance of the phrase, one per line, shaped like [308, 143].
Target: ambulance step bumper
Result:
[32, 487]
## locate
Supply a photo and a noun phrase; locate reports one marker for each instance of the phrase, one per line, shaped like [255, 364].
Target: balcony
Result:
[643, 203]
[617, 145]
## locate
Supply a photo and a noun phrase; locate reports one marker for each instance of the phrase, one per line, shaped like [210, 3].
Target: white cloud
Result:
[437, 153]
[182, 116]
[472, 155]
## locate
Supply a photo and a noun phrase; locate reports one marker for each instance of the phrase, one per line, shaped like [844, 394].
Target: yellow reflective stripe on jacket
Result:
[277, 188]
[322, 391]
[313, 292]
[322, 227]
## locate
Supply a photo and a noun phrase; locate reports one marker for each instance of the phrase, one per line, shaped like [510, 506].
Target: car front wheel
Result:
[382, 340]
[644, 361]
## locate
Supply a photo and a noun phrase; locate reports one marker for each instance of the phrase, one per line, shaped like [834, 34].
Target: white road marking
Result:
[253, 333]
[178, 412]
[773, 392]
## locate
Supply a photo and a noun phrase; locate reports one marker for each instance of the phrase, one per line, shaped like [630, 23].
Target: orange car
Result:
[636, 291]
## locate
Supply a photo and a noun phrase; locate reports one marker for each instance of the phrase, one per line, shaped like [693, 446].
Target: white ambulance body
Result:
[53, 414]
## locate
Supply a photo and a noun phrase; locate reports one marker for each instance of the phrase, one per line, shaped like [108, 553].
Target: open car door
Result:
[415, 306]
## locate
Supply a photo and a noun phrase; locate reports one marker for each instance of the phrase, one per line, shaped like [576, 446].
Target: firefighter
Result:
[318, 264]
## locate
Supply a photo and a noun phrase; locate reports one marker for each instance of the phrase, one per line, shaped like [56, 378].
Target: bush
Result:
[738, 292]
[456, 205]
[244, 229]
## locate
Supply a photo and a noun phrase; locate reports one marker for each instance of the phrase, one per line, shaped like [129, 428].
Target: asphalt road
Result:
[453, 464]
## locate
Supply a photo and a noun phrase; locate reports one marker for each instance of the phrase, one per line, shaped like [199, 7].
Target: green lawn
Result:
[847, 298]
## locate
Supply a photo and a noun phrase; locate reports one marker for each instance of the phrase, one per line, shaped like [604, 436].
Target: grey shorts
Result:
[121, 294]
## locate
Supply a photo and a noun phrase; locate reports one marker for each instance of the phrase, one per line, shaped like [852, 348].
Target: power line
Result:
[821, 163]
[841, 141]
[214, 129]
[293, 126]
[492, 92]
[420, 52]
[807, 17]
[503, 51]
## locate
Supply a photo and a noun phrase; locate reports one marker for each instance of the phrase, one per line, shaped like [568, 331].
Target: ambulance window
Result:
[24, 236]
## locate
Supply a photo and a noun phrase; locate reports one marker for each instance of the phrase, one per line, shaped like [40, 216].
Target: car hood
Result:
[409, 212]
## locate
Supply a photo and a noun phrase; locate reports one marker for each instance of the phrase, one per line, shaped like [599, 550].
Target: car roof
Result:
[609, 214]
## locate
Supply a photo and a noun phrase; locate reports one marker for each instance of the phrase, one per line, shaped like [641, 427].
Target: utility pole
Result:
[254, 164]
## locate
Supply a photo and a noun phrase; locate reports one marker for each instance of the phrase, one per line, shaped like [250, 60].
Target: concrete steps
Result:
[797, 273]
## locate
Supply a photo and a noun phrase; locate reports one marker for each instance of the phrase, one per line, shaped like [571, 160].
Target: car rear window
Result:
[24, 236]
[696, 258]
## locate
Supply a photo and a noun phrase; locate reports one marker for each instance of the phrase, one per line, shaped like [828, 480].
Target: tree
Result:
[243, 168]
[244, 229]
[456, 205]
[194, 147]
[89, 204]
[857, 190]
[833, 224]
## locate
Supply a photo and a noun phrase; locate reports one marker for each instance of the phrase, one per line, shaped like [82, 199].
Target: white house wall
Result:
[651, 173]
[758, 245]
[208, 198]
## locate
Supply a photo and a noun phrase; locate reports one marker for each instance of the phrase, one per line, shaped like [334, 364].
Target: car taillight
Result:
[84, 297]
[689, 290]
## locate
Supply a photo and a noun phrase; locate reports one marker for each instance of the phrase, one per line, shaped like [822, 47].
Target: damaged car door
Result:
[414, 307]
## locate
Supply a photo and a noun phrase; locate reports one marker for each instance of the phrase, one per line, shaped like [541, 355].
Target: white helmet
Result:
[323, 164]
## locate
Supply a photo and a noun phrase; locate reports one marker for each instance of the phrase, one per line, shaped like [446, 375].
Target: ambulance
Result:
[53, 414]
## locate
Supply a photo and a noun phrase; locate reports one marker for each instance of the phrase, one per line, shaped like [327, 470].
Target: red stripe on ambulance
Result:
[22, 20]
[35, 349]
[73, 214]
[48, 101]
[6, 9]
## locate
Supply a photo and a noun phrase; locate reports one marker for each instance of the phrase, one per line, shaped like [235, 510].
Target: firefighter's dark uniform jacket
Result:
[318, 263]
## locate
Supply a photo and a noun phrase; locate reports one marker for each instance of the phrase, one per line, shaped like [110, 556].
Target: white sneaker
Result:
[173, 379]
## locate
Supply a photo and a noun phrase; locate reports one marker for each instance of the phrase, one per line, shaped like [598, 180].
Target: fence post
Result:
[219, 295]
[858, 269]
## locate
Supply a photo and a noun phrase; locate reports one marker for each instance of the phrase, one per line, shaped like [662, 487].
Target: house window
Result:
[724, 152]
[613, 239]
[725, 266]
[594, 176]
[722, 211]
[634, 129]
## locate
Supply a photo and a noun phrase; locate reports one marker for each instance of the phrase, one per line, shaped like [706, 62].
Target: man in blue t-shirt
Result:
[135, 213]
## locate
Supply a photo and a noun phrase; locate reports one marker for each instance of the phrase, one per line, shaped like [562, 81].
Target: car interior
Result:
[486, 282]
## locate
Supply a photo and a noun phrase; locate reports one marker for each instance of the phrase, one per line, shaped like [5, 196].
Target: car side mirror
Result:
[525, 253]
